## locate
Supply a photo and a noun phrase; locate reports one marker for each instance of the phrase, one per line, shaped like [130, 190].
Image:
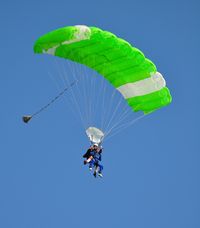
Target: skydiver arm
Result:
[89, 159]
[87, 154]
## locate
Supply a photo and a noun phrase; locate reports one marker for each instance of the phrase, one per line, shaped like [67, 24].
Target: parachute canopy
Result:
[123, 65]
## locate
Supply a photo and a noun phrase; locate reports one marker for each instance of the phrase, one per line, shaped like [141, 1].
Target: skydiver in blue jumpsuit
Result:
[93, 158]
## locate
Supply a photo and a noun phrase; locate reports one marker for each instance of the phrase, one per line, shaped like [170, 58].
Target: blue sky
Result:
[151, 169]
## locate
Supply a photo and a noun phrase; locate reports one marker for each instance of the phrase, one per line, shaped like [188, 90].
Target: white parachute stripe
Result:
[83, 33]
[50, 51]
[143, 87]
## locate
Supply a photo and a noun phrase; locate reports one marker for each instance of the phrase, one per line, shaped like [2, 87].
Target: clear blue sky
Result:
[151, 170]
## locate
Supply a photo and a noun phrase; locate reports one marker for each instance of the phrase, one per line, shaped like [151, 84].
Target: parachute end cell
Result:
[26, 119]
[95, 135]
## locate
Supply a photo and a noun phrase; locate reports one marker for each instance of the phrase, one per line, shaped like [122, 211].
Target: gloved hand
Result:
[84, 162]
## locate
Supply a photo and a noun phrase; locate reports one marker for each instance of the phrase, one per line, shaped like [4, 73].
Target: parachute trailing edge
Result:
[123, 65]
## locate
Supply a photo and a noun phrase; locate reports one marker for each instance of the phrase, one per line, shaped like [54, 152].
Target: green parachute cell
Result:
[123, 65]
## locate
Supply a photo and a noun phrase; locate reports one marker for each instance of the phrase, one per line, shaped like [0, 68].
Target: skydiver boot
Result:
[100, 174]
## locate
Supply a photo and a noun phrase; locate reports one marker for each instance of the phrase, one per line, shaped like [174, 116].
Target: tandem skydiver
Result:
[93, 158]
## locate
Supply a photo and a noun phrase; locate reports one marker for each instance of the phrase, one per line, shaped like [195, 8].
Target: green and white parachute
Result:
[122, 65]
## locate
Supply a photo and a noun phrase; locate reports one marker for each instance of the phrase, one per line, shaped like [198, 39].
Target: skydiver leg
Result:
[95, 169]
[100, 168]
[91, 164]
